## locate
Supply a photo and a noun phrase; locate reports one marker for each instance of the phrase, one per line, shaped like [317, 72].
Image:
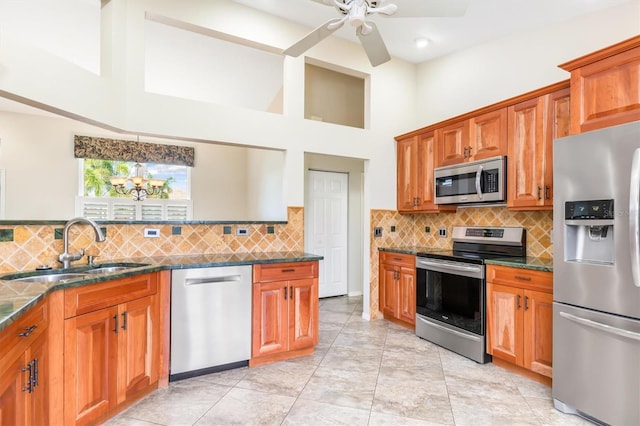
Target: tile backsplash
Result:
[410, 231]
[35, 245]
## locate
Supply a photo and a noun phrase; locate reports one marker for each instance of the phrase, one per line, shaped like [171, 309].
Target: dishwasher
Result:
[210, 320]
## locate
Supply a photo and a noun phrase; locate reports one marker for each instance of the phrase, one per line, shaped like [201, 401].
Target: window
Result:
[99, 200]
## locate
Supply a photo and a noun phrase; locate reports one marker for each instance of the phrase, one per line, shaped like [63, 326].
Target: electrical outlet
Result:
[377, 232]
[393, 228]
[242, 231]
[442, 232]
[151, 232]
[427, 229]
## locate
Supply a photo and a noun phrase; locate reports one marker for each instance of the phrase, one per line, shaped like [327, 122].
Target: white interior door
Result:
[327, 229]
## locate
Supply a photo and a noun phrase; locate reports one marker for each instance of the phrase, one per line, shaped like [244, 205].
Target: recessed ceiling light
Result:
[422, 42]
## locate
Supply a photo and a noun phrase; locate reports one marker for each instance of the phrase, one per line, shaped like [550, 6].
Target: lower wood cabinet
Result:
[285, 311]
[111, 347]
[24, 370]
[519, 317]
[397, 287]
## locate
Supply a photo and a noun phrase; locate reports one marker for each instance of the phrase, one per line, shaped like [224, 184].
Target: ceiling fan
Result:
[355, 12]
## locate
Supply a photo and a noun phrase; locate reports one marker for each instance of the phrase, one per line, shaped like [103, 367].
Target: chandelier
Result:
[141, 187]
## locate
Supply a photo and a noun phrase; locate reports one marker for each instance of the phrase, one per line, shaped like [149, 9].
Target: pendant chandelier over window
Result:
[142, 187]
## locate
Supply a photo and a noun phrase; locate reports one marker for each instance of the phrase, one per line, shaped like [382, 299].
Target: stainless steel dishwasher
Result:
[210, 320]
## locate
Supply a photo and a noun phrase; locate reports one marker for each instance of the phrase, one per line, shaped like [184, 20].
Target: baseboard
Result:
[354, 293]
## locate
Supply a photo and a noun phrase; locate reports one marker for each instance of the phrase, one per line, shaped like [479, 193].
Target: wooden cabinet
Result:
[397, 287]
[112, 346]
[285, 311]
[519, 317]
[415, 164]
[24, 367]
[532, 126]
[481, 136]
[605, 87]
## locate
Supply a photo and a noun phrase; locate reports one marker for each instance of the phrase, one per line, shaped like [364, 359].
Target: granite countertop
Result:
[529, 262]
[17, 297]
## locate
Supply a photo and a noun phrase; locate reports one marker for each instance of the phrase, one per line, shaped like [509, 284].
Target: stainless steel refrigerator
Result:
[596, 274]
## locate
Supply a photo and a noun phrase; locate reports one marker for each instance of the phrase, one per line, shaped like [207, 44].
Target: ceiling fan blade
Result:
[314, 37]
[373, 45]
[428, 8]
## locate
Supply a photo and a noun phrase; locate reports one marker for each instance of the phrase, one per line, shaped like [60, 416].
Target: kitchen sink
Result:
[74, 274]
[49, 278]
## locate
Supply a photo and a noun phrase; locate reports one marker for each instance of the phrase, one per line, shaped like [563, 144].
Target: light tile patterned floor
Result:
[362, 373]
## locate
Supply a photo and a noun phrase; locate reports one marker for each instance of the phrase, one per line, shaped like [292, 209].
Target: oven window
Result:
[450, 298]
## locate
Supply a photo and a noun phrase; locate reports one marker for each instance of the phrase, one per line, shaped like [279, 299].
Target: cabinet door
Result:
[270, 319]
[407, 296]
[13, 399]
[504, 323]
[407, 173]
[90, 363]
[303, 313]
[488, 135]
[388, 289]
[138, 347]
[538, 332]
[38, 408]
[558, 126]
[453, 144]
[526, 151]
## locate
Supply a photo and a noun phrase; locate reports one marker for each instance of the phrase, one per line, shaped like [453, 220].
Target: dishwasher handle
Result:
[212, 280]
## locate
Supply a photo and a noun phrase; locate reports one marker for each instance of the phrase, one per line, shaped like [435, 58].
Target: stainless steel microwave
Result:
[482, 181]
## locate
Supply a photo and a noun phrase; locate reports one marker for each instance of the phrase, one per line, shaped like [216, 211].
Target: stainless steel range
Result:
[450, 287]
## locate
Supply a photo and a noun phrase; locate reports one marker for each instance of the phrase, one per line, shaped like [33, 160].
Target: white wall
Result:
[489, 73]
[264, 193]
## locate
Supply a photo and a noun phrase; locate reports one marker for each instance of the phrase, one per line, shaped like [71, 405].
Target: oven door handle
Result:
[458, 268]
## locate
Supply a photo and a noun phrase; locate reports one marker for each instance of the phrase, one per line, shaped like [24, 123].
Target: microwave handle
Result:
[478, 176]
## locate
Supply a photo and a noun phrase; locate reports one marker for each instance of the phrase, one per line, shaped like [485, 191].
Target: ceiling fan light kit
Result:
[356, 13]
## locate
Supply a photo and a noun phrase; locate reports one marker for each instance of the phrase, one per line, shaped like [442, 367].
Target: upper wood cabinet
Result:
[533, 125]
[481, 136]
[415, 164]
[605, 87]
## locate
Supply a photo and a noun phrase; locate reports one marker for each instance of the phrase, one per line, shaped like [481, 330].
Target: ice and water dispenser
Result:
[588, 231]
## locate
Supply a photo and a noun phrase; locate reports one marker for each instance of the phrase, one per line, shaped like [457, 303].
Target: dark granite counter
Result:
[17, 297]
[535, 263]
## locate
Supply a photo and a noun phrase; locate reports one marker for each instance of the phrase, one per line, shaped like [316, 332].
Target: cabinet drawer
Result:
[19, 335]
[521, 278]
[89, 298]
[284, 271]
[398, 259]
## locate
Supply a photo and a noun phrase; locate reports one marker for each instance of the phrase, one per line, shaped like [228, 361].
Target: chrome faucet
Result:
[65, 257]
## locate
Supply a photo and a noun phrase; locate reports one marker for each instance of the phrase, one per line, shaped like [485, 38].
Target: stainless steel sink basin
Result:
[48, 278]
[107, 269]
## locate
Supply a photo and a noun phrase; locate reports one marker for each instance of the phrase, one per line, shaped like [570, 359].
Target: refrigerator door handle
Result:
[478, 176]
[602, 327]
[634, 217]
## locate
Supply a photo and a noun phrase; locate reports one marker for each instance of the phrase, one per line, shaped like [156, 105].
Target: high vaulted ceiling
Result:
[484, 20]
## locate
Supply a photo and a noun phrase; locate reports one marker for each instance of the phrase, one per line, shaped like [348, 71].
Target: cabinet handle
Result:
[285, 293]
[539, 193]
[523, 278]
[526, 303]
[547, 192]
[519, 302]
[470, 148]
[29, 385]
[464, 154]
[291, 293]
[124, 320]
[28, 330]
[35, 381]
[417, 201]
[115, 328]
[289, 270]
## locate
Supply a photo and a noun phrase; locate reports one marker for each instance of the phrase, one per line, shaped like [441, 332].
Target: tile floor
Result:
[362, 373]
